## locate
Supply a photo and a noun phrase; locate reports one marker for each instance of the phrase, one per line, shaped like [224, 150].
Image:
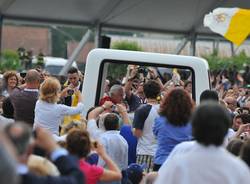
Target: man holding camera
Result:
[69, 93]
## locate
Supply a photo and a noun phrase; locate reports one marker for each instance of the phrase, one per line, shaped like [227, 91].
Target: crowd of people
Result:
[145, 129]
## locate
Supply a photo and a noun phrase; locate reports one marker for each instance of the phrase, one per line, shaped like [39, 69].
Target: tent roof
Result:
[177, 16]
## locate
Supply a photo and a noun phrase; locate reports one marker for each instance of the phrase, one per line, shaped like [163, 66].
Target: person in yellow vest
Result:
[69, 93]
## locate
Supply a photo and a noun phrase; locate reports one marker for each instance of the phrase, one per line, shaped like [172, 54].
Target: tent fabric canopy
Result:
[176, 16]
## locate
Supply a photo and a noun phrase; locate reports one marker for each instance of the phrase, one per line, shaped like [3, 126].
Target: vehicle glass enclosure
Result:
[53, 69]
[170, 75]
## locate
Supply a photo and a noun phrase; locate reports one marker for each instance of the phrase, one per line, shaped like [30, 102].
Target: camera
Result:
[23, 74]
[113, 108]
[143, 70]
[70, 92]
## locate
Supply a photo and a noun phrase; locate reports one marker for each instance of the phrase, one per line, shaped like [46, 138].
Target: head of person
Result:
[111, 122]
[237, 121]
[151, 89]
[80, 125]
[177, 107]
[245, 152]
[134, 173]
[234, 146]
[116, 93]
[10, 79]
[8, 171]
[209, 95]
[78, 143]
[41, 166]
[188, 86]
[247, 104]
[240, 119]
[49, 90]
[32, 79]
[210, 123]
[231, 103]
[20, 134]
[73, 76]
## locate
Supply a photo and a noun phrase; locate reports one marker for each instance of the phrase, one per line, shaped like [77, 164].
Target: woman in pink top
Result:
[78, 143]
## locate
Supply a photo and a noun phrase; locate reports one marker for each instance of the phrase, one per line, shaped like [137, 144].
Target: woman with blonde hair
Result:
[49, 114]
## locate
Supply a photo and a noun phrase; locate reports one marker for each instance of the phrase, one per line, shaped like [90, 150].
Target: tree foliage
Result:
[118, 70]
[216, 62]
[9, 61]
[126, 45]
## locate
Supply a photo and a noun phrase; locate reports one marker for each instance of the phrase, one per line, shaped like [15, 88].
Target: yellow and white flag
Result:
[232, 23]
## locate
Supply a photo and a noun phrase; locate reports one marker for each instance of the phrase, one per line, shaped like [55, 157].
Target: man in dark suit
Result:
[21, 136]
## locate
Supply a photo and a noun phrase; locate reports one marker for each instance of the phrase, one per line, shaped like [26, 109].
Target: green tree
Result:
[117, 70]
[216, 62]
[9, 61]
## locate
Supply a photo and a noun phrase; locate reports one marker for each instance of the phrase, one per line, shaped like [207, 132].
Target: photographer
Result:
[135, 79]
[108, 132]
[134, 89]
[48, 114]
[69, 94]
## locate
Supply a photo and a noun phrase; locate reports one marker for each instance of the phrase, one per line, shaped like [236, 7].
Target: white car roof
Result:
[56, 61]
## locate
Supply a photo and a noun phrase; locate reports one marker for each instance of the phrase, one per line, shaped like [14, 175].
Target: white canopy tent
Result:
[162, 16]
[176, 16]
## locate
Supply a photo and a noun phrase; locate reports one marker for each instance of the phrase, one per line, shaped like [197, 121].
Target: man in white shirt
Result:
[108, 134]
[205, 160]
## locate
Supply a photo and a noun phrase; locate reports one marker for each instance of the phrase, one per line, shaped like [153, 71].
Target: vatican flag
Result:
[232, 23]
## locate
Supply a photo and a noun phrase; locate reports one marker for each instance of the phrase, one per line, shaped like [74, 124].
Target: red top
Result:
[92, 172]
[104, 99]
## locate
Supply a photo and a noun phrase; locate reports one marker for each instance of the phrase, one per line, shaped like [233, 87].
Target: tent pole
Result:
[75, 53]
[232, 49]
[192, 50]
[181, 46]
[98, 33]
[1, 33]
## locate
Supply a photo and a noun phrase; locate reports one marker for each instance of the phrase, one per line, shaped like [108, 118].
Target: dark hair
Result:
[209, 95]
[177, 107]
[21, 140]
[90, 109]
[151, 89]
[186, 83]
[8, 109]
[234, 146]
[245, 152]
[210, 123]
[78, 143]
[72, 70]
[111, 121]
[245, 118]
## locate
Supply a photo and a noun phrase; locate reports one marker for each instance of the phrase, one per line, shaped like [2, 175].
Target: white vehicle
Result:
[99, 62]
[54, 65]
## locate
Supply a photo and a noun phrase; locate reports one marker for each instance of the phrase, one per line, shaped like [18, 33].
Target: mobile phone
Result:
[113, 108]
[70, 92]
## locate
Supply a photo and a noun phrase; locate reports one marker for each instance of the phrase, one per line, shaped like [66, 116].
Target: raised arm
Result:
[112, 173]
